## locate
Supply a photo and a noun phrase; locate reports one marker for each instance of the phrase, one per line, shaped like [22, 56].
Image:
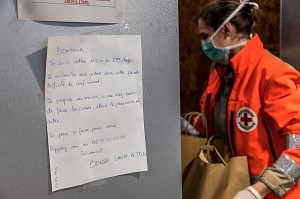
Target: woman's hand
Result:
[256, 191]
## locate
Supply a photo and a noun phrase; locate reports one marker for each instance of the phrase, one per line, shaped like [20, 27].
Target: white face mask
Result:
[221, 54]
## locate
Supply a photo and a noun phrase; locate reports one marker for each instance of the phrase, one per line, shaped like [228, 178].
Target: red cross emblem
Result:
[246, 119]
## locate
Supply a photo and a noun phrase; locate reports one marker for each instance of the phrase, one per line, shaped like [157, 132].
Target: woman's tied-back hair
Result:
[214, 13]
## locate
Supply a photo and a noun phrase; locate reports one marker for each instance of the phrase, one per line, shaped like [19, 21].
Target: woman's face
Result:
[205, 31]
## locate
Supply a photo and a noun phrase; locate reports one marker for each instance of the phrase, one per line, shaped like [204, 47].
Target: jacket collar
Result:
[246, 59]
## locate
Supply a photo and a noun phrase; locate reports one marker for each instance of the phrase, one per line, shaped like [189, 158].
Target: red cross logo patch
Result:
[246, 119]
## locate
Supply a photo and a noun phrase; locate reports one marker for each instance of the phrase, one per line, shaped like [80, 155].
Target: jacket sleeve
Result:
[199, 123]
[202, 122]
[282, 105]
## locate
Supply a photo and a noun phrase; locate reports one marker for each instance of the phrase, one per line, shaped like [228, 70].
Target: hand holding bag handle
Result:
[189, 128]
[190, 144]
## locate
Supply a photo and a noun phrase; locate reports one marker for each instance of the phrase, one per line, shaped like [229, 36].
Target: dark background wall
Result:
[194, 66]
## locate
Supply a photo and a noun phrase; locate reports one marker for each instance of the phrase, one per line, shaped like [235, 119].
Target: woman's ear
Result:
[228, 30]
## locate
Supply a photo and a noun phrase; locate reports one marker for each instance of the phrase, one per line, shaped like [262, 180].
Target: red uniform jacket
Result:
[263, 107]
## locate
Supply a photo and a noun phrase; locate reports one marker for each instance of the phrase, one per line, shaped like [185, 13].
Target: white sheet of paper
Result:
[94, 108]
[94, 11]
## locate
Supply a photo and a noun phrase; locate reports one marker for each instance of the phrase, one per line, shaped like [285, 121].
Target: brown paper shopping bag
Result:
[214, 178]
[190, 148]
[190, 141]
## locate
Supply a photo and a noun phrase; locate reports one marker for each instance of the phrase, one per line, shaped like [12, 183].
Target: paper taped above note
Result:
[93, 11]
[94, 108]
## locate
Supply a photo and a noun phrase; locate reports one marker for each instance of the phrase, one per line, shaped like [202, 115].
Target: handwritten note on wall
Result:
[94, 108]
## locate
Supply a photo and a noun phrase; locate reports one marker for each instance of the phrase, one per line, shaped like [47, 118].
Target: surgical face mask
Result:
[221, 54]
[218, 55]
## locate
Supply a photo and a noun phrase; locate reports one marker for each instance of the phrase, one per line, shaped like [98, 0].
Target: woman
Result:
[252, 100]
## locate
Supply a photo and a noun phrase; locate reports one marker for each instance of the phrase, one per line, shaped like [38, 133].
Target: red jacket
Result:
[263, 107]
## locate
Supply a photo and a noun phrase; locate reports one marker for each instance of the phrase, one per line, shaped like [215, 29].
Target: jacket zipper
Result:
[230, 134]
[270, 140]
[232, 146]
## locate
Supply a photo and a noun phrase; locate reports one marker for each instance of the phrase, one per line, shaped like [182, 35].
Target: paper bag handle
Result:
[190, 115]
[208, 147]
